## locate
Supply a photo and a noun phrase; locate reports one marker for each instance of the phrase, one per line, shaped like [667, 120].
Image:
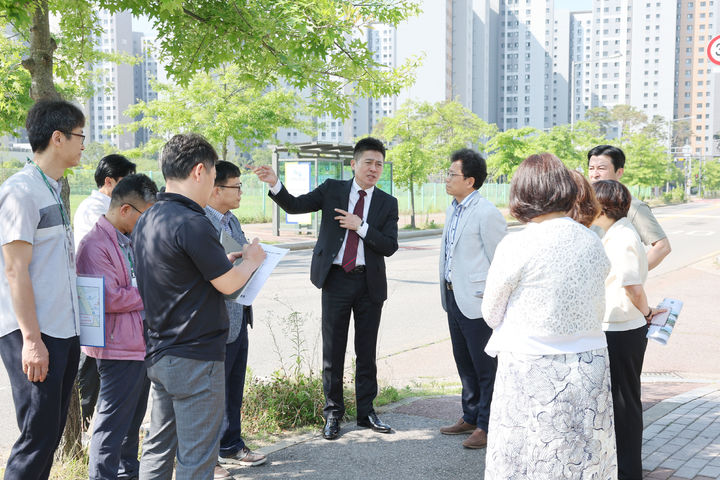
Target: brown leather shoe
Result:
[459, 428]
[478, 439]
[221, 474]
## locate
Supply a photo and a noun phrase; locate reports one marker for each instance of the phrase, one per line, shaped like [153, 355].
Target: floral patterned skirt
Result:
[552, 418]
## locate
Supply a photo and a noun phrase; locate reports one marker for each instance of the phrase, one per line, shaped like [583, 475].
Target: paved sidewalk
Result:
[681, 440]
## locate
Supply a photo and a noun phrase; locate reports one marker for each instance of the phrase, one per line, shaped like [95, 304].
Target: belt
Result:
[358, 269]
[448, 285]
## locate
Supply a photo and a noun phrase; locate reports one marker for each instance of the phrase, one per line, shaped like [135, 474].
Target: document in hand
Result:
[231, 246]
[662, 325]
[257, 280]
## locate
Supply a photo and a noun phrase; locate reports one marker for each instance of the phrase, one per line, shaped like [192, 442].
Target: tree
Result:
[308, 44]
[219, 106]
[569, 143]
[424, 135]
[628, 118]
[15, 100]
[601, 117]
[508, 149]
[407, 132]
[647, 161]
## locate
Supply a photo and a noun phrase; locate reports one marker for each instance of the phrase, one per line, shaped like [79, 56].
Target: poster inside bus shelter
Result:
[297, 182]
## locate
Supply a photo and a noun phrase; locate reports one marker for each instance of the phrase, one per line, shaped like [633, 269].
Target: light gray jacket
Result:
[480, 229]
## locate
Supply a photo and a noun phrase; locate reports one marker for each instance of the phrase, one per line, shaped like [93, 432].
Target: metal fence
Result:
[255, 204]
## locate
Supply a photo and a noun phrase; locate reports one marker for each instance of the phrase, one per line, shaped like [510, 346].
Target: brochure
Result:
[662, 324]
[91, 301]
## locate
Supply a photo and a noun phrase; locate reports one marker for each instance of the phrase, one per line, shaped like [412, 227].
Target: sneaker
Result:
[461, 427]
[245, 457]
[221, 474]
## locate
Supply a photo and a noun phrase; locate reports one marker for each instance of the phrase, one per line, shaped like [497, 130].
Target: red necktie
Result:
[351, 245]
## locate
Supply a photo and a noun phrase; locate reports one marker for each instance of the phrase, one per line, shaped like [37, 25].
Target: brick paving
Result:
[683, 440]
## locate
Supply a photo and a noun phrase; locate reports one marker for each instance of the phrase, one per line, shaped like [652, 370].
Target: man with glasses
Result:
[225, 197]
[39, 315]
[473, 229]
[106, 251]
[110, 170]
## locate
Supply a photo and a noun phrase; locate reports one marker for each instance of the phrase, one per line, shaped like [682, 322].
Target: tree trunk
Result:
[40, 66]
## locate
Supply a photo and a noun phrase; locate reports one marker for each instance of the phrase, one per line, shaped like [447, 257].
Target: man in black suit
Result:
[348, 264]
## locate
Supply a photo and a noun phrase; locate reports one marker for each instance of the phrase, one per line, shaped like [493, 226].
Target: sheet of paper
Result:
[91, 299]
[231, 246]
[254, 285]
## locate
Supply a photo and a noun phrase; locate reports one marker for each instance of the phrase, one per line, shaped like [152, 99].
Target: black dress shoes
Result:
[332, 428]
[372, 421]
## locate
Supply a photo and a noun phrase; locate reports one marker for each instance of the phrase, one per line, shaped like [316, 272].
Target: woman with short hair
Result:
[626, 319]
[551, 413]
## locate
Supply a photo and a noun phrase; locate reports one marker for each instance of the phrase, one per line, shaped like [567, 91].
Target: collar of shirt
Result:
[176, 197]
[356, 188]
[466, 201]
[217, 215]
[123, 240]
[54, 184]
[97, 194]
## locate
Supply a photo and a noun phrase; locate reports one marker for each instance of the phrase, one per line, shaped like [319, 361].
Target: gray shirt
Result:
[645, 222]
[31, 211]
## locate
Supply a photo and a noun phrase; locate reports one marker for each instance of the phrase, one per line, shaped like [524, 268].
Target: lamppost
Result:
[687, 152]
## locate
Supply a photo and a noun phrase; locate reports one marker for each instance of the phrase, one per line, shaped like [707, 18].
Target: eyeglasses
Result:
[79, 135]
[134, 208]
[450, 174]
[236, 187]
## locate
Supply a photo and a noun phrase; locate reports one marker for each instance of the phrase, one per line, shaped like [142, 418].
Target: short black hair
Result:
[113, 166]
[616, 155]
[541, 184]
[48, 116]
[136, 189]
[225, 170]
[614, 198]
[182, 152]
[368, 143]
[473, 165]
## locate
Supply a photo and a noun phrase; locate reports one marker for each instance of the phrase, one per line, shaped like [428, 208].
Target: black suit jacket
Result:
[380, 241]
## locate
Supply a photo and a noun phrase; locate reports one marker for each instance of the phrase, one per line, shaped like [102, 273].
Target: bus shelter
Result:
[302, 167]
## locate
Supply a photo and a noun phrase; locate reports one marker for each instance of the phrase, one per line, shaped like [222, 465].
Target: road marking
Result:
[687, 215]
[681, 215]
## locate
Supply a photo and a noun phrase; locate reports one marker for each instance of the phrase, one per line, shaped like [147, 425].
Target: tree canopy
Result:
[219, 106]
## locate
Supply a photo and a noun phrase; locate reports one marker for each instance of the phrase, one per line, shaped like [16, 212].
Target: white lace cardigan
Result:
[545, 291]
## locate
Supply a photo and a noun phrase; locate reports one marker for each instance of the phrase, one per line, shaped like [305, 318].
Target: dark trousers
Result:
[40, 407]
[89, 383]
[469, 336]
[627, 351]
[124, 389]
[236, 354]
[342, 294]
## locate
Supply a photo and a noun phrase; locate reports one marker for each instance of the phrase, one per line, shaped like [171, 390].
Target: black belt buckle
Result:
[357, 269]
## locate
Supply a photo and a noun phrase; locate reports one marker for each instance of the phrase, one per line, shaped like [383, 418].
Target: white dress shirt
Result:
[87, 214]
[362, 231]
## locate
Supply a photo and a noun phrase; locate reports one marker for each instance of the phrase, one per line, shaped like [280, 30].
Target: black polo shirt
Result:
[177, 252]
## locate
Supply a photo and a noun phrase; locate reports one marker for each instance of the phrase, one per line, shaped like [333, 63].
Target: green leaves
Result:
[220, 106]
[14, 85]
